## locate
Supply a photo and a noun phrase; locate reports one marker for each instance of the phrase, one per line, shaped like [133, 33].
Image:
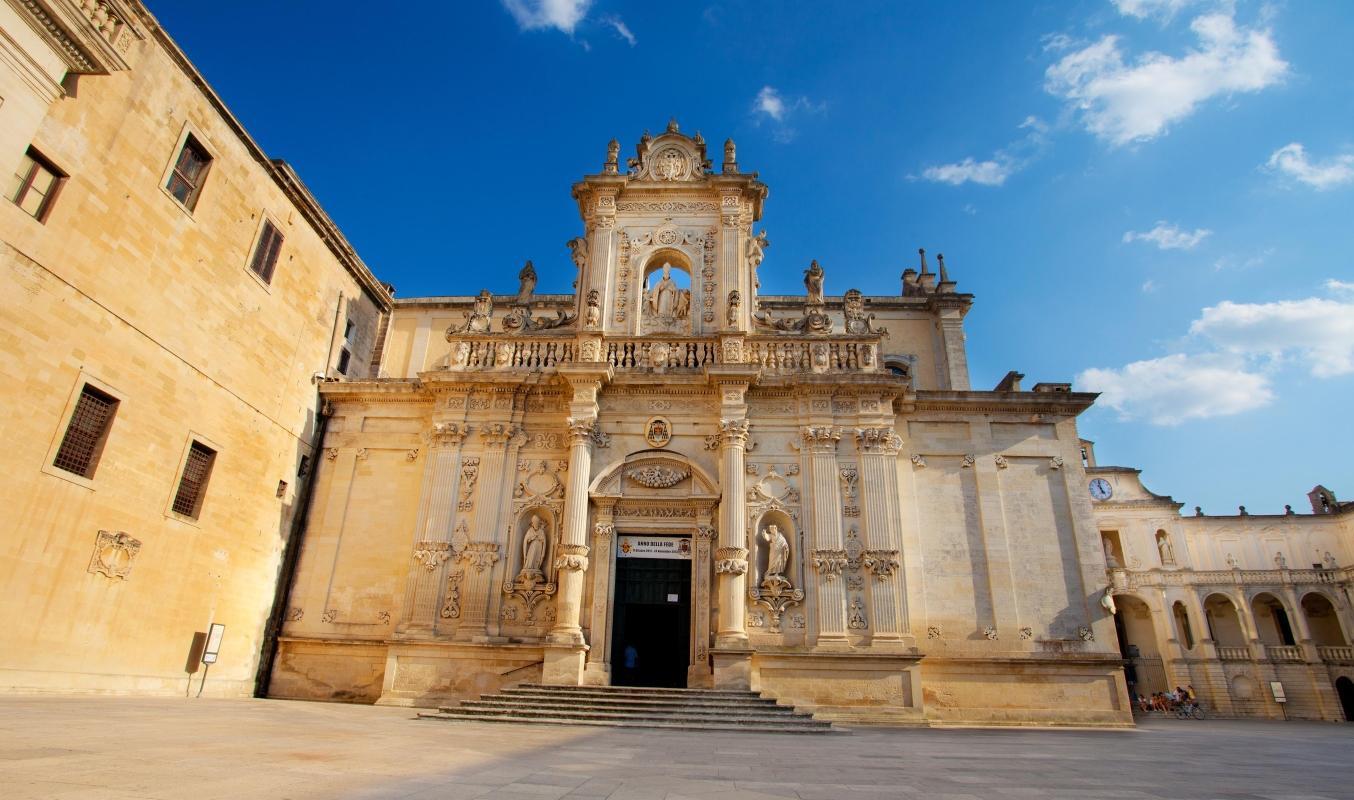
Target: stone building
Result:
[1251, 610]
[670, 479]
[169, 295]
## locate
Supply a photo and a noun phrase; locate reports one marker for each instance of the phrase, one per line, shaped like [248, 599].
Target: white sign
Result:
[213, 649]
[653, 547]
[1276, 688]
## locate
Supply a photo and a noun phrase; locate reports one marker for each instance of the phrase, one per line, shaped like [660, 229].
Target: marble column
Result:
[731, 559]
[484, 549]
[572, 558]
[878, 448]
[829, 555]
[432, 532]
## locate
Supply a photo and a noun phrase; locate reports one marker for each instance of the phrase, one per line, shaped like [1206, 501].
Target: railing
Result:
[1133, 579]
[773, 354]
[1336, 655]
[1234, 653]
[1283, 653]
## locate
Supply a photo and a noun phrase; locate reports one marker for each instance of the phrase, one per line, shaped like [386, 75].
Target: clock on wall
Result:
[1101, 489]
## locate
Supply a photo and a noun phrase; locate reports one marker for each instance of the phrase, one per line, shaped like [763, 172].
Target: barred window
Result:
[190, 172]
[193, 482]
[34, 185]
[86, 432]
[265, 253]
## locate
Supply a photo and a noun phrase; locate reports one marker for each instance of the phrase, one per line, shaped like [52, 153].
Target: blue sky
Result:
[1152, 198]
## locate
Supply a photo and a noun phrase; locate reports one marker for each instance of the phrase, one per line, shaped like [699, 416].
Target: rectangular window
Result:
[87, 431]
[344, 358]
[348, 327]
[35, 184]
[265, 254]
[190, 172]
[193, 482]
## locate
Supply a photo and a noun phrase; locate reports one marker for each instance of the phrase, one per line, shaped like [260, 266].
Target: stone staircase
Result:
[629, 707]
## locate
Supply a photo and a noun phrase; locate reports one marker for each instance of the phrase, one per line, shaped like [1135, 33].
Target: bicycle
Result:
[1190, 710]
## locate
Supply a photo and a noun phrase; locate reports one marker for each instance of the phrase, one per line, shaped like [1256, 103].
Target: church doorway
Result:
[1345, 688]
[651, 627]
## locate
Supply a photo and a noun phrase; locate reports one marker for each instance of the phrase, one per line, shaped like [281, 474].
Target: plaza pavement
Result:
[121, 748]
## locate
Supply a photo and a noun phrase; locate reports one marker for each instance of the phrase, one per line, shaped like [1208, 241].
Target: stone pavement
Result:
[122, 748]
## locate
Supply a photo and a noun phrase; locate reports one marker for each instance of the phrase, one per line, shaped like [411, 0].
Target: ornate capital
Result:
[733, 432]
[705, 533]
[880, 563]
[731, 560]
[882, 440]
[829, 563]
[498, 434]
[480, 555]
[602, 532]
[821, 439]
[448, 434]
[581, 431]
[432, 554]
[572, 557]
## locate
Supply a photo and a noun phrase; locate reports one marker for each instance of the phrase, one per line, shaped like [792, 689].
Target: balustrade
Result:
[1283, 653]
[1234, 653]
[1336, 655]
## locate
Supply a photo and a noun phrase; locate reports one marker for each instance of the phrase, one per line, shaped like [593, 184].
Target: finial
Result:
[1241, 510]
[1287, 510]
[699, 140]
[730, 158]
[944, 276]
[645, 138]
[925, 270]
[1198, 511]
[672, 125]
[613, 155]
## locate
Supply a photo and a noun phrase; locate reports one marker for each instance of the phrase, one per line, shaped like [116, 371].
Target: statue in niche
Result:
[533, 551]
[813, 283]
[594, 317]
[1110, 560]
[735, 301]
[526, 284]
[665, 298]
[1165, 550]
[777, 557]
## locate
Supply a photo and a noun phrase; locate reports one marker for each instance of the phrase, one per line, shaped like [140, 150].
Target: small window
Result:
[348, 330]
[344, 358]
[193, 481]
[189, 173]
[265, 253]
[86, 433]
[35, 184]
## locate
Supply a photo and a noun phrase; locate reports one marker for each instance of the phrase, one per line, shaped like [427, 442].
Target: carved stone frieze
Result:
[1055, 463]
[705, 533]
[990, 633]
[969, 461]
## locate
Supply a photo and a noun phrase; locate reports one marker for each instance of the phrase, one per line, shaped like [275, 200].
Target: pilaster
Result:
[484, 550]
[433, 547]
[829, 554]
[878, 448]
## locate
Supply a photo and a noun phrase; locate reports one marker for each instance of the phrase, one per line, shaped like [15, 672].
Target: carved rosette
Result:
[447, 434]
[829, 563]
[432, 554]
[821, 439]
[731, 560]
[882, 440]
[581, 431]
[880, 563]
[572, 557]
[480, 555]
[733, 432]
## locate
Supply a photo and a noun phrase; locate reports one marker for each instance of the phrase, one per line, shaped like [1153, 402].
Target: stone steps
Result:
[626, 707]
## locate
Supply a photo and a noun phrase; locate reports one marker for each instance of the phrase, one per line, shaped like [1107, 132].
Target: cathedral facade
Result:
[668, 478]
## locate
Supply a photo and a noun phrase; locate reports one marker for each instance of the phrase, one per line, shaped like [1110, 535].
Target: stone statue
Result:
[526, 284]
[1280, 561]
[533, 550]
[478, 320]
[594, 317]
[1107, 600]
[1165, 550]
[813, 283]
[1110, 560]
[777, 556]
[666, 300]
[756, 248]
[735, 301]
[578, 248]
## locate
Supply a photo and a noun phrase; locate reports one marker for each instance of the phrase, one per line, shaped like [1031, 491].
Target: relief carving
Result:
[655, 476]
[829, 563]
[432, 554]
[880, 563]
[114, 552]
[480, 555]
[451, 609]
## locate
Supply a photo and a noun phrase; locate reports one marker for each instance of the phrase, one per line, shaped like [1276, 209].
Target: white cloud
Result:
[1133, 102]
[1169, 237]
[1339, 287]
[986, 173]
[1003, 164]
[1318, 331]
[563, 15]
[1291, 160]
[1176, 388]
[1164, 10]
[770, 103]
[621, 28]
[1149, 286]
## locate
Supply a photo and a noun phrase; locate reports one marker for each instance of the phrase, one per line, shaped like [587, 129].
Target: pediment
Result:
[655, 474]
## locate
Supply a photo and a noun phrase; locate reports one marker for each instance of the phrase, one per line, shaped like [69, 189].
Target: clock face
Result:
[1100, 489]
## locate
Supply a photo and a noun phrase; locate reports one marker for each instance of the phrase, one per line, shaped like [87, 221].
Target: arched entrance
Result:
[1345, 688]
[1322, 621]
[1271, 621]
[1143, 668]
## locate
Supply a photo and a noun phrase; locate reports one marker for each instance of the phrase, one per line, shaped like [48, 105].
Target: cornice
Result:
[1058, 403]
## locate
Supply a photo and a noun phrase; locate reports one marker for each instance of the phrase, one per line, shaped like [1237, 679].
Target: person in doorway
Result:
[630, 658]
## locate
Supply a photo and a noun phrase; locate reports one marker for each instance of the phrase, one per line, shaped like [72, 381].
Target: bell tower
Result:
[668, 247]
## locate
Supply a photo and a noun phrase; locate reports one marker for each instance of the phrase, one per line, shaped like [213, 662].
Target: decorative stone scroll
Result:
[856, 621]
[451, 606]
[114, 552]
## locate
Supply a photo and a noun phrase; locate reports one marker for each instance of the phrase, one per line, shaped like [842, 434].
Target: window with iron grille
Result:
[189, 173]
[35, 184]
[265, 253]
[344, 358]
[193, 482]
[86, 432]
